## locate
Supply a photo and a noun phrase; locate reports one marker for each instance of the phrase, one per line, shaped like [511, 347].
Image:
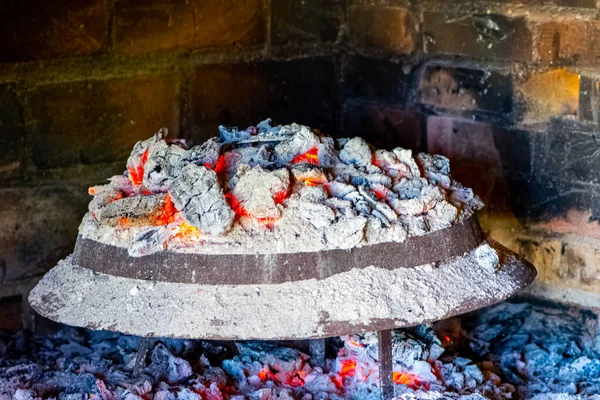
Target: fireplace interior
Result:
[288, 258]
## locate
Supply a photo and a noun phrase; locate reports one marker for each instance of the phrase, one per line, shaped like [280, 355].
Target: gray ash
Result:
[511, 350]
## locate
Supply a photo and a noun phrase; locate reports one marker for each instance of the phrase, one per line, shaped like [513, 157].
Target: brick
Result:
[495, 162]
[11, 314]
[38, 227]
[580, 262]
[466, 90]
[99, 121]
[568, 42]
[564, 3]
[390, 29]
[305, 21]
[43, 29]
[11, 130]
[550, 94]
[373, 78]
[543, 253]
[244, 94]
[142, 27]
[478, 35]
[575, 222]
[569, 152]
[384, 126]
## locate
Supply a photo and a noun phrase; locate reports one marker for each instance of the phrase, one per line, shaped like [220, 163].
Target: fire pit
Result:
[278, 232]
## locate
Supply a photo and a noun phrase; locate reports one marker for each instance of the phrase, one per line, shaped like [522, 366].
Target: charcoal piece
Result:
[166, 365]
[409, 188]
[140, 153]
[436, 169]
[405, 157]
[206, 153]
[105, 194]
[137, 210]
[347, 232]
[317, 214]
[257, 189]
[356, 152]
[196, 193]
[487, 257]
[327, 154]
[441, 216]
[163, 164]
[149, 241]
[461, 196]
[388, 161]
[301, 140]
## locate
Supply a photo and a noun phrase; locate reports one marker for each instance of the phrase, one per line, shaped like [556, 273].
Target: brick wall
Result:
[508, 90]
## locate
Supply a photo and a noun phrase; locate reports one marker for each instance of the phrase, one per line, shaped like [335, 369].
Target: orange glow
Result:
[410, 380]
[167, 214]
[187, 232]
[236, 206]
[136, 173]
[220, 165]
[92, 191]
[348, 368]
[280, 197]
[124, 222]
[310, 157]
[380, 193]
[263, 375]
[314, 181]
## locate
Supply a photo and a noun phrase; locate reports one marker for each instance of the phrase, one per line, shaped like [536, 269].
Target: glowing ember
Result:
[236, 206]
[410, 380]
[310, 157]
[136, 172]
[348, 368]
[167, 213]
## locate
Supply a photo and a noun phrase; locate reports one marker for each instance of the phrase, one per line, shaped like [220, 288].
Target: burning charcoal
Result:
[300, 141]
[165, 365]
[436, 169]
[405, 156]
[132, 211]
[309, 175]
[205, 154]
[257, 191]
[461, 196]
[139, 156]
[163, 164]
[356, 152]
[106, 194]
[197, 194]
[410, 188]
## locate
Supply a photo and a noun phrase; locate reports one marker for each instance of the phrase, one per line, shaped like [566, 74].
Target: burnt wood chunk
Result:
[132, 211]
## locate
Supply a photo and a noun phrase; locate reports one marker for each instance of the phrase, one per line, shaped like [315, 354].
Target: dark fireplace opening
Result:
[506, 92]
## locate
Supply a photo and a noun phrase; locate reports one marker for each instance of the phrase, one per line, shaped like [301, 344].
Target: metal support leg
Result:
[386, 384]
[140, 358]
[316, 347]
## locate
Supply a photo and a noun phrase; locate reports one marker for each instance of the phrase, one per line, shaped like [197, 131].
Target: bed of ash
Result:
[512, 350]
[271, 189]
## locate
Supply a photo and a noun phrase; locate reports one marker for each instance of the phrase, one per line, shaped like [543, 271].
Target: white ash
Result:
[253, 191]
[512, 350]
[138, 210]
[197, 194]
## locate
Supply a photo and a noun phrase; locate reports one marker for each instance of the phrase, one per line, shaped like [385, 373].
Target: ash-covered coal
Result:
[268, 188]
[514, 350]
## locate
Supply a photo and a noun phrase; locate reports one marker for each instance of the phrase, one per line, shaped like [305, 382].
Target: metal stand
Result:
[316, 348]
[386, 383]
[140, 358]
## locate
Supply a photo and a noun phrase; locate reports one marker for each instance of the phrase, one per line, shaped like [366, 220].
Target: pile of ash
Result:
[273, 189]
[513, 350]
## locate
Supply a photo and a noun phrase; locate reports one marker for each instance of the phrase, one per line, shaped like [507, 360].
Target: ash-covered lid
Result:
[272, 189]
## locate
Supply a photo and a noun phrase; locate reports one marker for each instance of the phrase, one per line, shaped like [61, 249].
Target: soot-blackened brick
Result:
[244, 94]
[466, 89]
[373, 78]
[389, 29]
[305, 21]
[478, 35]
[38, 227]
[10, 128]
[99, 121]
[142, 27]
[569, 152]
[42, 29]
[384, 126]
[495, 162]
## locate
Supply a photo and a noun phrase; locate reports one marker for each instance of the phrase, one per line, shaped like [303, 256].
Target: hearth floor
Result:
[518, 349]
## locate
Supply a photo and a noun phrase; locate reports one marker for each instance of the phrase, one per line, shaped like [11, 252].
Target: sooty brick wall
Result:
[508, 90]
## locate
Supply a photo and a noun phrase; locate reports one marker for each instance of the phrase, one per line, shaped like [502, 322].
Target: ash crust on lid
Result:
[269, 189]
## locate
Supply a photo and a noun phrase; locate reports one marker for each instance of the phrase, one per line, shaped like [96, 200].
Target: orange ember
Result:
[348, 368]
[220, 166]
[263, 375]
[380, 193]
[136, 173]
[314, 181]
[236, 206]
[187, 232]
[310, 157]
[410, 380]
[167, 214]
[280, 197]
[124, 222]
